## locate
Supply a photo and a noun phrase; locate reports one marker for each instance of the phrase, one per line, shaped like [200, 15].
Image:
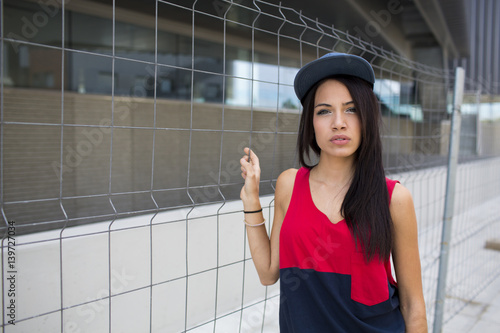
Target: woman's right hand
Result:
[250, 171]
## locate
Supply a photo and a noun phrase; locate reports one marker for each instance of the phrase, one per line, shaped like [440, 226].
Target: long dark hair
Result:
[366, 204]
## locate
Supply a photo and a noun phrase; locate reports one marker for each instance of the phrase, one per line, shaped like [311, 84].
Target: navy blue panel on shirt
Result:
[319, 302]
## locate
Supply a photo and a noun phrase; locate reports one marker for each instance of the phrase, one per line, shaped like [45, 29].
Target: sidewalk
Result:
[482, 315]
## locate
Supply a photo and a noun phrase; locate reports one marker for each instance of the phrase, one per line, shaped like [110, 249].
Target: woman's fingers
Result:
[250, 165]
[244, 166]
[250, 172]
[247, 162]
[244, 163]
[243, 172]
[253, 157]
[251, 160]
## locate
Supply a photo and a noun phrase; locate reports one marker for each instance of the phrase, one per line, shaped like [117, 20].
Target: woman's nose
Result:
[338, 120]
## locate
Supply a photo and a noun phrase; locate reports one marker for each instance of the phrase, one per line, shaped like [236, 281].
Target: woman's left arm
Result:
[406, 260]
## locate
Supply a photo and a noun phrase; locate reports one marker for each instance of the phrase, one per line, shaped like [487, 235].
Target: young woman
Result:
[337, 222]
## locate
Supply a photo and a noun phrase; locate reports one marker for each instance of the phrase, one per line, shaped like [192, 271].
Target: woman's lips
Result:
[340, 139]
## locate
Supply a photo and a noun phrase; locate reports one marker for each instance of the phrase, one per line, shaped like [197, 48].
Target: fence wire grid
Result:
[122, 126]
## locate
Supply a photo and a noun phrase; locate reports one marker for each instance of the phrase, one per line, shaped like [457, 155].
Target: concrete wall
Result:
[105, 275]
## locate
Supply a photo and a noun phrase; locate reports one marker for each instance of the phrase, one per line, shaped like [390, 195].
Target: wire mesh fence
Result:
[119, 160]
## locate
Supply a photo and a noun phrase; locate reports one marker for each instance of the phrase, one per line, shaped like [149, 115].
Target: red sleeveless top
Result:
[326, 284]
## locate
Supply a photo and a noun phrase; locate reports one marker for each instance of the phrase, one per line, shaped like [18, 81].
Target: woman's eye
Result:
[320, 112]
[351, 110]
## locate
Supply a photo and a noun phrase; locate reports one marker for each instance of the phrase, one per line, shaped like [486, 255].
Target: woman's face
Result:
[336, 122]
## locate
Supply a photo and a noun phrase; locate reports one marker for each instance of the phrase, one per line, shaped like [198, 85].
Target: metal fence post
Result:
[449, 198]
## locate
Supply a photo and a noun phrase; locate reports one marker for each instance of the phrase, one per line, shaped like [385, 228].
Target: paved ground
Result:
[480, 316]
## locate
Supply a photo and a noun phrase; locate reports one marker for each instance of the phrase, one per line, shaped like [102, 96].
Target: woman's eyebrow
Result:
[328, 105]
[323, 104]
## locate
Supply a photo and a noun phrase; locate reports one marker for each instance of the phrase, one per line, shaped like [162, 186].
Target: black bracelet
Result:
[253, 211]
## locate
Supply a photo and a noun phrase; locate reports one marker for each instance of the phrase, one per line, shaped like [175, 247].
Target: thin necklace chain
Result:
[342, 188]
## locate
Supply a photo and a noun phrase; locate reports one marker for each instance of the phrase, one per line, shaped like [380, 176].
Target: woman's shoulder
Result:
[400, 194]
[288, 174]
[284, 185]
[286, 179]
[401, 202]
